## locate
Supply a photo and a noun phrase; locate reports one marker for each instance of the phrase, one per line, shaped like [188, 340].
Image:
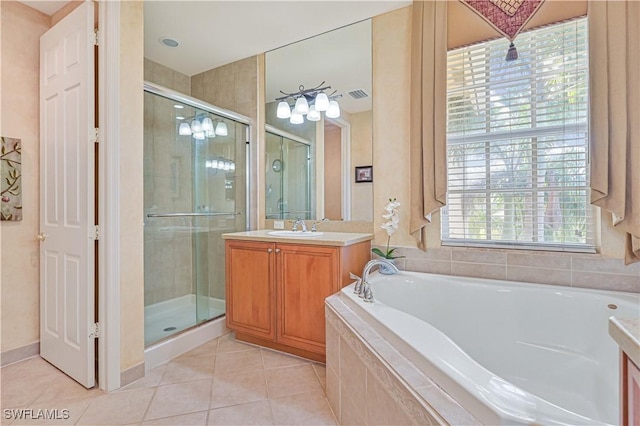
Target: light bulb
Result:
[198, 135]
[208, 164]
[302, 106]
[296, 118]
[284, 110]
[221, 129]
[313, 114]
[207, 124]
[334, 110]
[184, 129]
[322, 102]
[196, 127]
[227, 166]
[233, 166]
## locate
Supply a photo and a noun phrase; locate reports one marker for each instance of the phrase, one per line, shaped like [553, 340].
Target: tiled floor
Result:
[223, 382]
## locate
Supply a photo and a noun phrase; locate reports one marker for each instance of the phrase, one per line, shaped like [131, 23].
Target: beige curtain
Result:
[614, 72]
[428, 114]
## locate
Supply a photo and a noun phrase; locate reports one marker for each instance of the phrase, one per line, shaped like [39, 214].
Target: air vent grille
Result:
[358, 94]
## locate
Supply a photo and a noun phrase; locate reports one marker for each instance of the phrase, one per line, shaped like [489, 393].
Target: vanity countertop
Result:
[626, 332]
[326, 239]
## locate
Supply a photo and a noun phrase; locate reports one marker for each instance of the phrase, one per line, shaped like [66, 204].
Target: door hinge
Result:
[96, 134]
[94, 232]
[95, 37]
[94, 330]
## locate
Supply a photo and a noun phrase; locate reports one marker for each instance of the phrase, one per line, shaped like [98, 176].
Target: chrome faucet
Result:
[301, 223]
[362, 287]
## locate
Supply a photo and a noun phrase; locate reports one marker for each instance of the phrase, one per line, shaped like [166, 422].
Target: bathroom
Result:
[391, 93]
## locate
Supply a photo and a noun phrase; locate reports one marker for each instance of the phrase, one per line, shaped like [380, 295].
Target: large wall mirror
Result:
[311, 155]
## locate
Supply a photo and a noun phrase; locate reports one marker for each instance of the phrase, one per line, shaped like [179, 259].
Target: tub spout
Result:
[365, 291]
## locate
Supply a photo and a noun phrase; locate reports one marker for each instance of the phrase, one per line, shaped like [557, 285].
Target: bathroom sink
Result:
[295, 234]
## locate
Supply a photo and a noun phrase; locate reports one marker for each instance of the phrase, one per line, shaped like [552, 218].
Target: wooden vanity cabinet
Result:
[276, 291]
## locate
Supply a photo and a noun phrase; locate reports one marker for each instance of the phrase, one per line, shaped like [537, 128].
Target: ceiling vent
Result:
[358, 94]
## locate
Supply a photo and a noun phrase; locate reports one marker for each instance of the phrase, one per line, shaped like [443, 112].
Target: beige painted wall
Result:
[332, 172]
[131, 179]
[20, 50]
[391, 75]
[361, 155]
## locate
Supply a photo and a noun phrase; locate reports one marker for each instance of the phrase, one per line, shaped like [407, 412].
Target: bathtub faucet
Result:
[365, 291]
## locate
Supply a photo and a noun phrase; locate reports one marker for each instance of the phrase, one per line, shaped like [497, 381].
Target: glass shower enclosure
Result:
[288, 176]
[195, 189]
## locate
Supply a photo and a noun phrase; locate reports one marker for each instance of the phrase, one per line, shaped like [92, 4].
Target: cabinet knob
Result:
[269, 250]
[41, 237]
[277, 250]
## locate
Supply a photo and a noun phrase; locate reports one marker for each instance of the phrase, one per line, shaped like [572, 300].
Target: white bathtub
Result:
[510, 353]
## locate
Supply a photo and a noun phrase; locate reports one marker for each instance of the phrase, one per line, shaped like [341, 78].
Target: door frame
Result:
[345, 146]
[109, 195]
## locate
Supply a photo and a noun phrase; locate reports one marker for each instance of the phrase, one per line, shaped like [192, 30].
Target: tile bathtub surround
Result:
[568, 269]
[369, 382]
[206, 386]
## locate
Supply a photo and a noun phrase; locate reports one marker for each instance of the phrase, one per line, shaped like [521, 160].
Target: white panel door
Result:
[67, 195]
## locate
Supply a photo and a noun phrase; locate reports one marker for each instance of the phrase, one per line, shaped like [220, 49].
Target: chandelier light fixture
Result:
[201, 127]
[309, 102]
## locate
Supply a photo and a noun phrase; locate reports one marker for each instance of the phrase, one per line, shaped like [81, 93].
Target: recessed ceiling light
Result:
[176, 106]
[169, 42]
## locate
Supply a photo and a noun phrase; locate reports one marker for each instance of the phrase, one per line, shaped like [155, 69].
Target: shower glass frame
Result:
[200, 243]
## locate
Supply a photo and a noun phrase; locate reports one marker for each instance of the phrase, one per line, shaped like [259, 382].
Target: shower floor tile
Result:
[275, 388]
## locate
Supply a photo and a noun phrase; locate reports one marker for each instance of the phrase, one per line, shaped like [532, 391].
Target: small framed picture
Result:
[364, 174]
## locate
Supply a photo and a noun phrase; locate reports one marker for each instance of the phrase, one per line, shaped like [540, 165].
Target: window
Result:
[517, 142]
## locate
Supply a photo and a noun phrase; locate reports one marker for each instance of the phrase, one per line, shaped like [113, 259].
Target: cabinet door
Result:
[306, 275]
[632, 392]
[250, 288]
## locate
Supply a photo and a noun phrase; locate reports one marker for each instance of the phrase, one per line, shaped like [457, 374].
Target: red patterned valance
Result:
[506, 16]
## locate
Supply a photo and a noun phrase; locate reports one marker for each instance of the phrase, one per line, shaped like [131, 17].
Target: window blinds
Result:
[517, 142]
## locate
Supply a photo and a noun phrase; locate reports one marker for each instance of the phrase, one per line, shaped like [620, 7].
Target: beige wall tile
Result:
[352, 374]
[441, 254]
[350, 413]
[381, 408]
[333, 393]
[478, 255]
[479, 270]
[551, 261]
[539, 275]
[332, 346]
[430, 266]
[602, 281]
[599, 264]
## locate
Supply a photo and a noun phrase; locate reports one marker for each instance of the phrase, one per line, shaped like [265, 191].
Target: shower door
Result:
[288, 178]
[195, 181]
